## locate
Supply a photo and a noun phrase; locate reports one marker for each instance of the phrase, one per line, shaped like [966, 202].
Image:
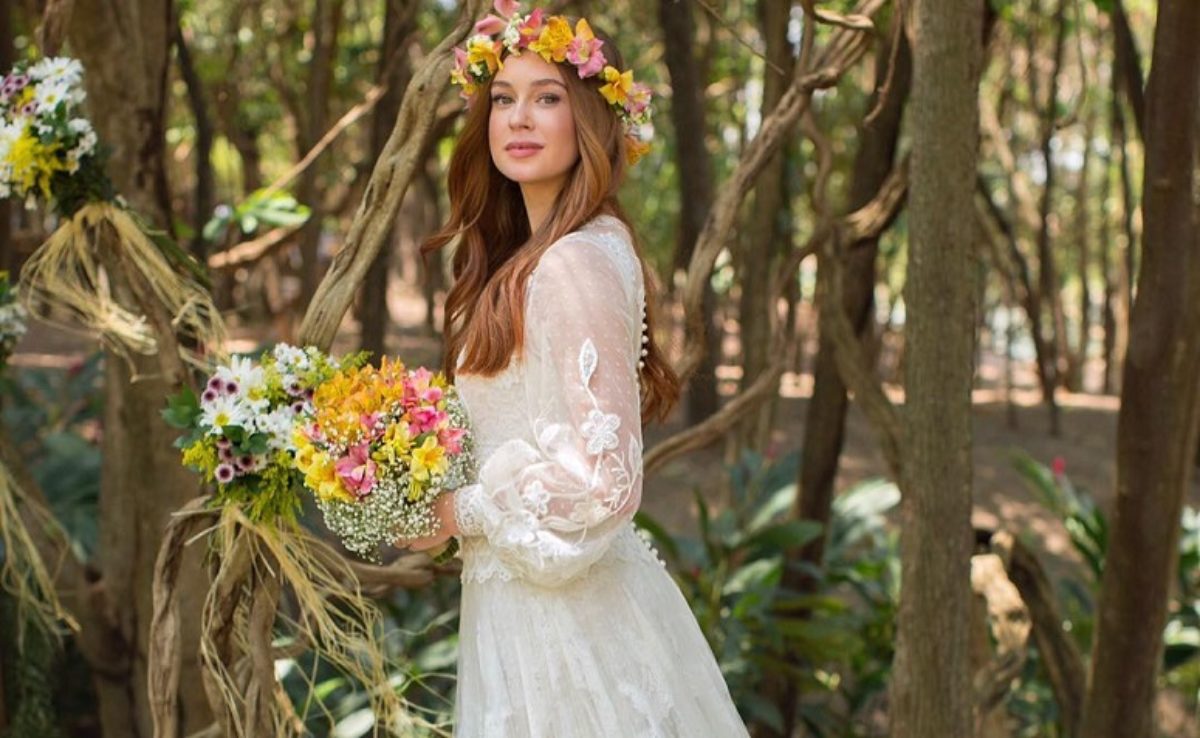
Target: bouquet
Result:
[378, 448]
[241, 428]
[48, 149]
[12, 320]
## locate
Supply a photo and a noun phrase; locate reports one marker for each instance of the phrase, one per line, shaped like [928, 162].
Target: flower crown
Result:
[552, 39]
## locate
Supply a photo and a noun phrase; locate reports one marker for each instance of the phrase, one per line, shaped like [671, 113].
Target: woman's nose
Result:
[519, 117]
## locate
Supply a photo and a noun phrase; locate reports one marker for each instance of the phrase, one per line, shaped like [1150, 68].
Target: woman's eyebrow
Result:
[546, 81]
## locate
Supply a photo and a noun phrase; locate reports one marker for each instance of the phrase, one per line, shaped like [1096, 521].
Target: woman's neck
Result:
[539, 200]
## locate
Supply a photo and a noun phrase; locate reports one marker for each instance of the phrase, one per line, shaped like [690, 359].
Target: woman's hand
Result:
[443, 508]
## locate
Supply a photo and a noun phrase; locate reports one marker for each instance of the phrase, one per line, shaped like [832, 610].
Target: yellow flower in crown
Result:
[556, 38]
[482, 49]
[620, 84]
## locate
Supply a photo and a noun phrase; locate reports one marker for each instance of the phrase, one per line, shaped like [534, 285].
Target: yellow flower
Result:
[555, 38]
[33, 163]
[322, 477]
[395, 444]
[484, 49]
[306, 457]
[429, 458]
[619, 85]
[635, 150]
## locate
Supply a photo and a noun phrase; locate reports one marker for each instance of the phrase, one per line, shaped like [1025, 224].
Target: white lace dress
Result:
[571, 626]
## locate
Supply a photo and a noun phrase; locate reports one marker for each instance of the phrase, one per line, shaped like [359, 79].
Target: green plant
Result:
[835, 640]
[1087, 527]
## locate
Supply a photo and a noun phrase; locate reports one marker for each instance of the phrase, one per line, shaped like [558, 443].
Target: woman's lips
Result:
[522, 150]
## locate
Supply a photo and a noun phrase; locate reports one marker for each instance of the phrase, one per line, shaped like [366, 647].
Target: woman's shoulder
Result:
[601, 249]
[603, 238]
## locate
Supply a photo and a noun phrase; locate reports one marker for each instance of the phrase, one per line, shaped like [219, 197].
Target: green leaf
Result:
[182, 409]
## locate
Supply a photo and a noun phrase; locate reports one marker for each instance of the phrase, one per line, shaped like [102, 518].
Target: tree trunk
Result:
[695, 182]
[1077, 361]
[931, 689]
[395, 72]
[825, 420]
[327, 20]
[1159, 419]
[1107, 249]
[205, 179]
[1048, 282]
[125, 47]
[1128, 72]
[769, 232]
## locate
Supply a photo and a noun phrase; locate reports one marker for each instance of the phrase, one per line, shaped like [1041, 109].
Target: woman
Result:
[570, 627]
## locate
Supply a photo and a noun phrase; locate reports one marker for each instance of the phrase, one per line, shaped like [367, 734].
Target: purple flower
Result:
[224, 473]
[245, 462]
[231, 387]
[223, 442]
[298, 407]
[309, 394]
[215, 384]
[29, 108]
[225, 454]
[294, 388]
[208, 396]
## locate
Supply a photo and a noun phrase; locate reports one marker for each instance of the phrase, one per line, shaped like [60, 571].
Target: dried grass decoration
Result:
[240, 436]
[49, 152]
[23, 573]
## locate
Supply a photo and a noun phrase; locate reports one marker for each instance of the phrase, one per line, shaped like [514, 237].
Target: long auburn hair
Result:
[496, 253]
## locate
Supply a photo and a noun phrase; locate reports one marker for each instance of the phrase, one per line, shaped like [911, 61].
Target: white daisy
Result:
[222, 411]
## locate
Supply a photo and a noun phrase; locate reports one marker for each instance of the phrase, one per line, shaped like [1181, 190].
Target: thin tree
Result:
[1159, 420]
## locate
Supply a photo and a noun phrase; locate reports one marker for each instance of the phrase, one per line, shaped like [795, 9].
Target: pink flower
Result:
[506, 8]
[639, 98]
[357, 471]
[490, 25]
[433, 395]
[584, 51]
[370, 423]
[531, 29]
[451, 439]
[1058, 466]
[424, 419]
[224, 473]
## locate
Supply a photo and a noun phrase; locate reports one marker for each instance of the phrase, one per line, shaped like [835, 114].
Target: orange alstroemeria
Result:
[554, 40]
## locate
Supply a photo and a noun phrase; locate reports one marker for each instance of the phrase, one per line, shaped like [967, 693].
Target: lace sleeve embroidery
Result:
[551, 508]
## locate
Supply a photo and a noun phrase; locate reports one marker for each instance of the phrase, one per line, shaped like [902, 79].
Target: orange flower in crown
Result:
[510, 32]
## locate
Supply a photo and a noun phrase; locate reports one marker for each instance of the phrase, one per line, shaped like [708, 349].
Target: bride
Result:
[570, 627]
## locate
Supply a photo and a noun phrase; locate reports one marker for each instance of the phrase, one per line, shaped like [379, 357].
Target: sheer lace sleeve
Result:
[551, 509]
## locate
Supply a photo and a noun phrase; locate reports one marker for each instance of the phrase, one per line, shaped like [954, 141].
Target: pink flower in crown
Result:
[506, 8]
[584, 51]
[490, 25]
[451, 439]
[531, 28]
[357, 471]
[432, 395]
[639, 99]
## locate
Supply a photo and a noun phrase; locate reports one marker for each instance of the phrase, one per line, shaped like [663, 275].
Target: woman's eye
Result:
[550, 99]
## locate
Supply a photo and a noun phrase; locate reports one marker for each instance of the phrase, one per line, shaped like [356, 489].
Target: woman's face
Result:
[531, 129]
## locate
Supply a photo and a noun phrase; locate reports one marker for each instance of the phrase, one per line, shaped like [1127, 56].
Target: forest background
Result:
[992, 211]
